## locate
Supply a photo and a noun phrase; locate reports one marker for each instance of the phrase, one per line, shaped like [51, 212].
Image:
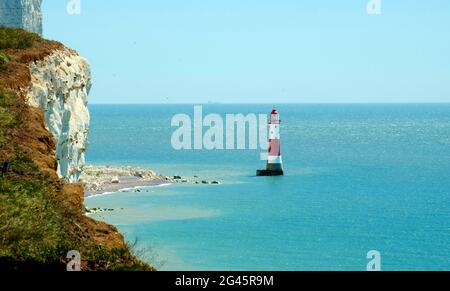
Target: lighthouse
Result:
[274, 161]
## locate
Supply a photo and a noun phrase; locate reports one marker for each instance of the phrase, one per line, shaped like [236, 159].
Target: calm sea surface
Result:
[358, 178]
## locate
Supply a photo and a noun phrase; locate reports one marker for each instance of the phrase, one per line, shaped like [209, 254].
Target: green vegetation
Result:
[8, 115]
[39, 223]
[17, 39]
[25, 205]
[12, 38]
[25, 200]
[37, 228]
[3, 59]
[102, 260]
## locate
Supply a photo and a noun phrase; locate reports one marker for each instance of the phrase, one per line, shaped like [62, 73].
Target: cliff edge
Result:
[59, 85]
[43, 134]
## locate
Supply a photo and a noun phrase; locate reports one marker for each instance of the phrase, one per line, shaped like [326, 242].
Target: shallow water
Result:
[358, 178]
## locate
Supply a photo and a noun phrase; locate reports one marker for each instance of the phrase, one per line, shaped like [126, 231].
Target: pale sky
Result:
[259, 51]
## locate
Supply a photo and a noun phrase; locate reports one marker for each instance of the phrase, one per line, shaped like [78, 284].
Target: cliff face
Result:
[57, 80]
[43, 115]
[60, 85]
[24, 14]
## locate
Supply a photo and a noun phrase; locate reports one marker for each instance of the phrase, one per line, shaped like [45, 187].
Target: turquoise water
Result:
[359, 178]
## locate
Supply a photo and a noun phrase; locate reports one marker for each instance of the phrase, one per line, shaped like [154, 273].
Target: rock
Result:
[115, 180]
[205, 182]
[56, 89]
[139, 175]
[25, 14]
[184, 181]
[215, 182]
[177, 177]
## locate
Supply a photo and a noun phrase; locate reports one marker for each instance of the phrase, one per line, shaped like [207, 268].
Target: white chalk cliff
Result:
[24, 14]
[60, 85]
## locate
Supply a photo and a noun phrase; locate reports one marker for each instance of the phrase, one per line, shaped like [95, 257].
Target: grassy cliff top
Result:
[41, 216]
[13, 38]
[18, 48]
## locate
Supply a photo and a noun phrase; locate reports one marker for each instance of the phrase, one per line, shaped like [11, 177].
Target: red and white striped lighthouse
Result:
[274, 161]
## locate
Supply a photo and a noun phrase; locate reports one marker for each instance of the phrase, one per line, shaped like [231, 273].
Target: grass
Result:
[26, 200]
[25, 204]
[12, 38]
[38, 225]
[3, 59]
[36, 228]
[9, 115]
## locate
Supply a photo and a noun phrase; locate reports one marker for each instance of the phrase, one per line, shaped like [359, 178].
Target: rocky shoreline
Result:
[99, 180]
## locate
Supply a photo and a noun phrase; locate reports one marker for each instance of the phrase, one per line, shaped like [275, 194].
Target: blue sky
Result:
[259, 51]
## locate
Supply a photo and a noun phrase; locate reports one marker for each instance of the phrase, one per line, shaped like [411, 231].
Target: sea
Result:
[358, 178]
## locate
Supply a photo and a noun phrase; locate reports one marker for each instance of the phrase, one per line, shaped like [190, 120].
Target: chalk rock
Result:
[60, 84]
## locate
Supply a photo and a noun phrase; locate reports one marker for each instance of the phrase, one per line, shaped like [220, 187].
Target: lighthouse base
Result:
[268, 173]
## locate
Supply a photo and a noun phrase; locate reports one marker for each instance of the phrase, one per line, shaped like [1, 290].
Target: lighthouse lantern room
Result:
[274, 161]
